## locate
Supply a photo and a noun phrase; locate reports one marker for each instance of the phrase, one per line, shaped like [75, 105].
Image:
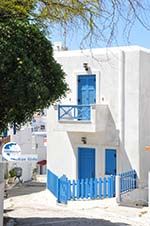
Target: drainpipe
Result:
[121, 122]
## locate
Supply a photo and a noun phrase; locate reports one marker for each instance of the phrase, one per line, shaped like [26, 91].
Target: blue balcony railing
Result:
[128, 181]
[74, 112]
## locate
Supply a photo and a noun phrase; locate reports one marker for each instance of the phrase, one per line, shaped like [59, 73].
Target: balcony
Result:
[84, 118]
[74, 112]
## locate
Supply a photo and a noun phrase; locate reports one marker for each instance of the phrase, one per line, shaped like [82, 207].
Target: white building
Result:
[23, 137]
[39, 140]
[103, 125]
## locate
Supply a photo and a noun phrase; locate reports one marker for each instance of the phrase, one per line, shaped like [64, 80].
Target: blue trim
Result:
[52, 183]
[86, 89]
[65, 189]
[86, 163]
[74, 112]
[86, 94]
[128, 181]
[110, 161]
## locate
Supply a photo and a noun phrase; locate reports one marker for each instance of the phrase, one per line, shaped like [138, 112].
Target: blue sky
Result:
[138, 36]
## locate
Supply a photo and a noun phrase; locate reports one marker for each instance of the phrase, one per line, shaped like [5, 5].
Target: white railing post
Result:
[149, 189]
[118, 189]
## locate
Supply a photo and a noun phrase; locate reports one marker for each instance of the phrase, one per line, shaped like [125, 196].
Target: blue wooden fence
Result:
[86, 188]
[128, 181]
[91, 188]
[71, 112]
[65, 189]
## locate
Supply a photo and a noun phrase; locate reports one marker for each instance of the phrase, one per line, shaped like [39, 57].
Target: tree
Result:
[99, 20]
[16, 8]
[30, 78]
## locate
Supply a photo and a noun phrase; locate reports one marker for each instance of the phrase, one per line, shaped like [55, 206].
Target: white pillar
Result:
[149, 189]
[121, 100]
[118, 192]
[1, 202]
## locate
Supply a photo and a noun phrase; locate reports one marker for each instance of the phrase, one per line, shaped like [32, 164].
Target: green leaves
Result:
[54, 11]
[98, 20]
[16, 8]
[66, 10]
[30, 77]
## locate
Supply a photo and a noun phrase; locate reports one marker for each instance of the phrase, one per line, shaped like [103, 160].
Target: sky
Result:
[138, 36]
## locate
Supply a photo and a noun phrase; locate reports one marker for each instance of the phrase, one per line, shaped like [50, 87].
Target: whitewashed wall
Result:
[122, 76]
[144, 112]
[39, 148]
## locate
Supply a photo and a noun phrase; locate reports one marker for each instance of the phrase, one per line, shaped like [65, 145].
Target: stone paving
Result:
[31, 204]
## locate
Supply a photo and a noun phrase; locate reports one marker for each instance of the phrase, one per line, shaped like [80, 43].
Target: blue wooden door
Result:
[86, 94]
[110, 162]
[86, 163]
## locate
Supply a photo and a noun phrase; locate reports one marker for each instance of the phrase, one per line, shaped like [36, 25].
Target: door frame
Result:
[117, 159]
[84, 147]
[93, 72]
[104, 154]
[78, 97]
[76, 157]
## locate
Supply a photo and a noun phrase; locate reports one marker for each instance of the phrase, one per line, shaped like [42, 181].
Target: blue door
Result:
[110, 162]
[86, 163]
[86, 94]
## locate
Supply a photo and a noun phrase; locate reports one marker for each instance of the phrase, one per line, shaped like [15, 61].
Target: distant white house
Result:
[103, 125]
[23, 138]
[39, 140]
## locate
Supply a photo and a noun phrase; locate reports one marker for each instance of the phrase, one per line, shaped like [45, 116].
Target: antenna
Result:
[65, 36]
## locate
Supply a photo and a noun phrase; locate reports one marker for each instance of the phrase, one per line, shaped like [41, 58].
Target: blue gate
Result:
[128, 181]
[86, 188]
[63, 190]
[92, 188]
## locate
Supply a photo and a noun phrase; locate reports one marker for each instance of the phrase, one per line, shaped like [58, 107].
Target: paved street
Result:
[26, 189]
[31, 205]
[66, 222]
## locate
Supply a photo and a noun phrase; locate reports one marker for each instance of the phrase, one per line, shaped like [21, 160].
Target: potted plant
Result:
[34, 173]
[12, 176]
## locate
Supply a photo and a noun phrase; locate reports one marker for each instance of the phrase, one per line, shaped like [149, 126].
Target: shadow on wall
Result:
[63, 222]
[98, 140]
[109, 137]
